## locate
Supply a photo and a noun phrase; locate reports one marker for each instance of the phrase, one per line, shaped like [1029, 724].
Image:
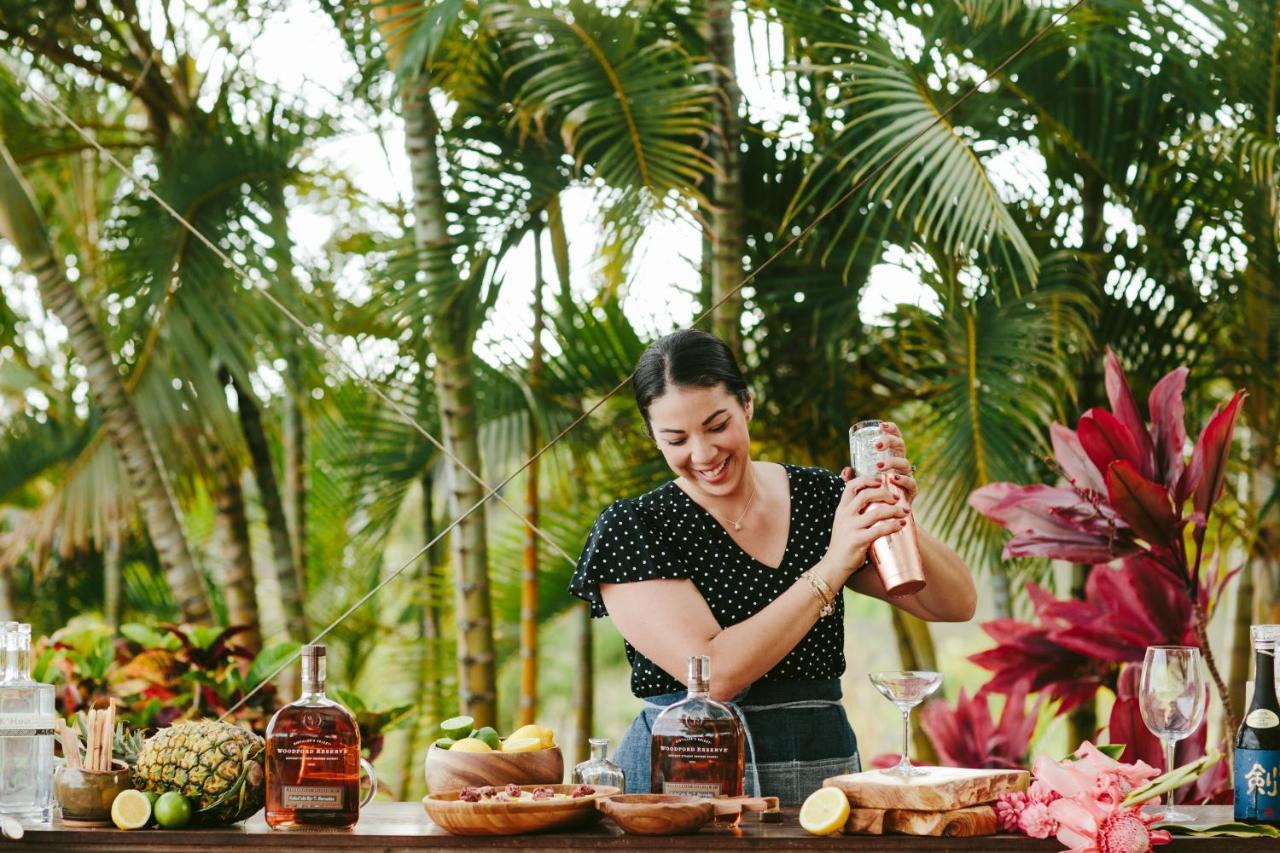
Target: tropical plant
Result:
[1130, 496]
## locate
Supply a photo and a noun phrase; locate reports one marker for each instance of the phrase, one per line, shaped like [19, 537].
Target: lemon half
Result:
[130, 810]
[825, 811]
[522, 744]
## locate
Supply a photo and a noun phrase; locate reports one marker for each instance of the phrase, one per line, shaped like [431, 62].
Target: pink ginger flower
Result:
[1036, 821]
[1086, 825]
[1086, 814]
[1009, 808]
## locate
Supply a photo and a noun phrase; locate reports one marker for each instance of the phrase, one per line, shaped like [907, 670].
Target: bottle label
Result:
[1262, 718]
[692, 789]
[26, 725]
[1257, 783]
[311, 797]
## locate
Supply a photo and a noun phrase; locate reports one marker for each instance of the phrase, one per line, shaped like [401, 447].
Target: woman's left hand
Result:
[899, 469]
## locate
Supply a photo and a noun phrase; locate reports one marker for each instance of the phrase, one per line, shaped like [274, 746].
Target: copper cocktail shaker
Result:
[896, 556]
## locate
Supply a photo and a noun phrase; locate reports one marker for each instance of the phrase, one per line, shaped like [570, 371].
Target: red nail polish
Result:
[879, 464]
[879, 445]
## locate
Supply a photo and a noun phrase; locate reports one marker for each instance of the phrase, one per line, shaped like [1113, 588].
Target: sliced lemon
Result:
[548, 738]
[521, 744]
[825, 812]
[530, 730]
[130, 810]
[470, 744]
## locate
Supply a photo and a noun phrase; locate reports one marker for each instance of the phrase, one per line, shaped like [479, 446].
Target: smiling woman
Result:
[736, 559]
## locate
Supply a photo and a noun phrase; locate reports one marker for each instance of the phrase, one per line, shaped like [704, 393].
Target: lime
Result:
[489, 736]
[825, 812]
[130, 810]
[470, 744]
[444, 743]
[173, 811]
[457, 727]
[151, 796]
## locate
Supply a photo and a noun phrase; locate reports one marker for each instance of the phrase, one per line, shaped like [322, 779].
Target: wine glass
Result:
[906, 690]
[1172, 698]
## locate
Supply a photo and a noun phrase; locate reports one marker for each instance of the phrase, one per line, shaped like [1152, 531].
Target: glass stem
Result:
[1168, 744]
[905, 762]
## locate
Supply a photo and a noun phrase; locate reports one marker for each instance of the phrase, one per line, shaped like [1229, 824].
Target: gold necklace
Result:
[737, 525]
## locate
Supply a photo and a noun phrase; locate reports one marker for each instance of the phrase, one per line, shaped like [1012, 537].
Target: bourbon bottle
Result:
[313, 758]
[697, 746]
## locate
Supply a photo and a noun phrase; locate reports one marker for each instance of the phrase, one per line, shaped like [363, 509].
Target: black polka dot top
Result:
[663, 534]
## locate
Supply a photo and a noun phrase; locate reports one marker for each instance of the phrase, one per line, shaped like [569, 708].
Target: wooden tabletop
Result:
[404, 826]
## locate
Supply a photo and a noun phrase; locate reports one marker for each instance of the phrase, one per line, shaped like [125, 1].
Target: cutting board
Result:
[942, 789]
[960, 823]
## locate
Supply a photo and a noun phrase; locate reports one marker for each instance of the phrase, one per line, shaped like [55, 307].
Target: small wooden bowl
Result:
[657, 814]
[671, 814]
[85, 796]
[490, 818]
[452, 771]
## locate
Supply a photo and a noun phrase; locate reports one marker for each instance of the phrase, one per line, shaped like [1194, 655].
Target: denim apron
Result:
[797, 735]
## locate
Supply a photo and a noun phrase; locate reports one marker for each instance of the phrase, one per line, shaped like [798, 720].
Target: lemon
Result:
[825, 812]
[470, 744]
[521, 744]
[130, 810]
[530, 730]
[548, 738]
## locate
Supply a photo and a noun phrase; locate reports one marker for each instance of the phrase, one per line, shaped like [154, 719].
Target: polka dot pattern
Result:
[663, 534]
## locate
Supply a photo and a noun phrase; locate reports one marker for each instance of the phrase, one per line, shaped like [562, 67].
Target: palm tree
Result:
[21, 224]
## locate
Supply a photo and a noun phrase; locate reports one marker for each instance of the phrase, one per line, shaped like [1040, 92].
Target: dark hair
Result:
[688, 358]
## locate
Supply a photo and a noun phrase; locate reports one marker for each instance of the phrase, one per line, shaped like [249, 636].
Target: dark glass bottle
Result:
[1257, 747]
[698, 743]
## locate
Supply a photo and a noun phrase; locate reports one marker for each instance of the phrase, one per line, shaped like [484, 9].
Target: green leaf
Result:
[269, 659]
[148, 637]
[1173, 780]
[1235, 830]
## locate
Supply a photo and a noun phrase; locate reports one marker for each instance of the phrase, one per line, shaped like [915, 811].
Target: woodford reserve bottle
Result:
[697, 746]
[1257, 749]
[313, 758]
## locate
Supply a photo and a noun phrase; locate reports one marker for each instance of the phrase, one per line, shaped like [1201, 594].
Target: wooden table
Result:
[389, 827]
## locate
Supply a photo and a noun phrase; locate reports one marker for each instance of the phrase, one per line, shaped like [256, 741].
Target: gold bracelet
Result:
[822, 592]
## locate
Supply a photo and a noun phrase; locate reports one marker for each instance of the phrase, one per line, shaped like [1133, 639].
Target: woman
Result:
[736, 560]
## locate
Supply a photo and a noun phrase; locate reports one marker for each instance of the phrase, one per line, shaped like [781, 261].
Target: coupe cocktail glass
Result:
[906, 689]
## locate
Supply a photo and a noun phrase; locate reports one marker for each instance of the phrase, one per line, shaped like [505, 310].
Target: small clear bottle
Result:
[26, 734]
[599, 770]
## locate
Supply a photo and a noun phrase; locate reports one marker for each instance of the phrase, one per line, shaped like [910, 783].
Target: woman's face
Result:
[702, 433]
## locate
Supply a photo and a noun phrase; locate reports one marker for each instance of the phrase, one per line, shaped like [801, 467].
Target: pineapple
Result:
[215, 765]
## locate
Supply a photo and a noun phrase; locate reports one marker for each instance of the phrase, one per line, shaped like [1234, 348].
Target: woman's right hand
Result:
[867, 511]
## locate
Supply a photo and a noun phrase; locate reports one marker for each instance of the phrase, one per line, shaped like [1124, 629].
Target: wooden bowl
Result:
[657, 814]
[490, 818]
[671, 814]
[452, 771]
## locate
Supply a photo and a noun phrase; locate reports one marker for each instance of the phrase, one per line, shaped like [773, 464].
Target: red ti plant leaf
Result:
[1045, 524]
[1144, 505]
[1026, 660]
[967, 736]
[1105, 439]
[1208, 469]
[1126, 411]
[1169, 430]
[1075, 463]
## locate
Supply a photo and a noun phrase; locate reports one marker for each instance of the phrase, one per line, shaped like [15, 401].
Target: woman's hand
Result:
[867, 511]
[899, 469]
